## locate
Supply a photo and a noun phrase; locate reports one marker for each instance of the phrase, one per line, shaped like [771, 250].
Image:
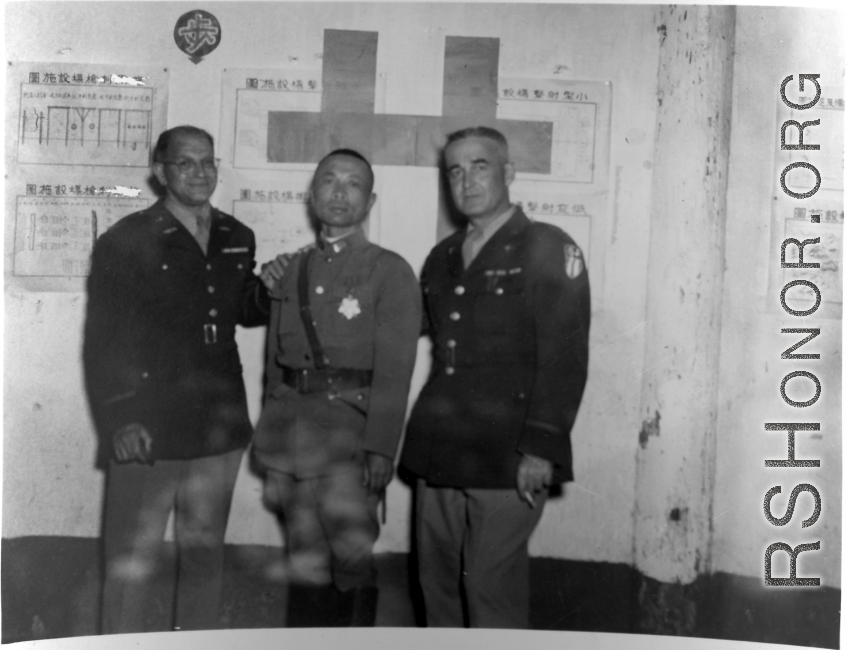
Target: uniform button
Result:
[208, 267]
[449, 370]
[319, 290]
[328, 259]
[459, 290]
[164, 267]
[211, 289]
[240, 266]
[213, 312]
[451, 343]
[499, 291]
[455, 315]
[145, 374]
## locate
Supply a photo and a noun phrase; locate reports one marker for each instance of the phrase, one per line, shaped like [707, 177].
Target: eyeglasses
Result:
[186, 165]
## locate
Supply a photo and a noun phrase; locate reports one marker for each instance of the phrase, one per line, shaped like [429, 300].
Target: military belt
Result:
[311, 380]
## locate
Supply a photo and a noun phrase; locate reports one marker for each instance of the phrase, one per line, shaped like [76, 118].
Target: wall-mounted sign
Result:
[197, 33]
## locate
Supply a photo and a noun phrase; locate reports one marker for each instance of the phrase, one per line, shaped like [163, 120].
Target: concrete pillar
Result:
[674, 482]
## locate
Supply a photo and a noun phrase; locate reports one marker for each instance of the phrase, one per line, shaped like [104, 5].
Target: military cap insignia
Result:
[574, 262]
[349, 307]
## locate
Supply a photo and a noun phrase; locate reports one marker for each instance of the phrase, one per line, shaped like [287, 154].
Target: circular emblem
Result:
[197, 33]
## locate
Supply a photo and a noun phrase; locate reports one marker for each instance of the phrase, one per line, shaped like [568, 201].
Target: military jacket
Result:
[159, 344]
[366, 306]
[510, 357]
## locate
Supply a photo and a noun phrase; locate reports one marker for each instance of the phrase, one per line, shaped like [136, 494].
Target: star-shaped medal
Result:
[349, 307]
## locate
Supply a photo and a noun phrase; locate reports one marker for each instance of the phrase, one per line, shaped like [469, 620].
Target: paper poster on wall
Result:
[793, 221]
[820, 215]
[84, 114]
[54, 233]
[580, 112]
[828, 253]
[579, 215]
[829, 159]
[249, 96]
[274, 206]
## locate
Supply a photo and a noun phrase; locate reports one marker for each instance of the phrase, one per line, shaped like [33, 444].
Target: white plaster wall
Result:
[50, 487]
[771, 44]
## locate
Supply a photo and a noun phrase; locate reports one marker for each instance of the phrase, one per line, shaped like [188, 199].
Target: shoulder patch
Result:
[574, 261]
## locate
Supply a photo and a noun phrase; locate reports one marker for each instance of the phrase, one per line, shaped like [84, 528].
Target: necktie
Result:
[202, 232]
[470, 247]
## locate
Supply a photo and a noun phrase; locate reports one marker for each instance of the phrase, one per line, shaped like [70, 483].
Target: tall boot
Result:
[310, 605]
[353, 608]
[340, 612]
[364, 607]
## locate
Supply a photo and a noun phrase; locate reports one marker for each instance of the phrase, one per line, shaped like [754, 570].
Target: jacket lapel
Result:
[169, 231]
[500, 245]
[455, 264]
[219, 234]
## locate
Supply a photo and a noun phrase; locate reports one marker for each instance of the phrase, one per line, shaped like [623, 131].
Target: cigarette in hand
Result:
[529, 499]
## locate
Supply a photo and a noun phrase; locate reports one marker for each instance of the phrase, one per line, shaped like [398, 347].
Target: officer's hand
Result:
[132, 442]
[378, 471]
[274, 270]
[534, 475]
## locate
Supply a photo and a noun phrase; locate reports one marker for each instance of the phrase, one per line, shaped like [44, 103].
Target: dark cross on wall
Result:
[347, 117]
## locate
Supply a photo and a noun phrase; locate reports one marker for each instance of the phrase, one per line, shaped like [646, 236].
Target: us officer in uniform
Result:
[167, 287]
[341, 348]
[507, 306]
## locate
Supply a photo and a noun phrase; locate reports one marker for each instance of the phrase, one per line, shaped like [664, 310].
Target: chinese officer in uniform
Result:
[345, 320]
[167, 287]
[506, 304]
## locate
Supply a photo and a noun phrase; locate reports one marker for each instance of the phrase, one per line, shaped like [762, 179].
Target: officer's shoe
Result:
[364, 607]
[310, 606]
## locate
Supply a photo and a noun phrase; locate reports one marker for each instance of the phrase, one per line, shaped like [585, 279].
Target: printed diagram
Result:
[580, 114]
[256, 94]
[279, 227]
[54, 235]
[573, 213]
[827, 278]
[80, 125]
[88, 126]
[829, 159]
[573, 137]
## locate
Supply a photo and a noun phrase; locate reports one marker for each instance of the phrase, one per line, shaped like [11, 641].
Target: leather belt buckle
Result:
[210, 333]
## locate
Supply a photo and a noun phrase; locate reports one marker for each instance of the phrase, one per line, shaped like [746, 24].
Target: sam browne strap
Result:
[306, 311]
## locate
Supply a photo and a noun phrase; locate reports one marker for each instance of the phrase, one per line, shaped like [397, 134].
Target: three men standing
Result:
[506, 303]
[167, 287]
[341, 348]
[507, 306]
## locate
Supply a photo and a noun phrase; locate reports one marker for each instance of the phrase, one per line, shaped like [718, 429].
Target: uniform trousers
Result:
[331, 525]
[474, 541]
[139, 500]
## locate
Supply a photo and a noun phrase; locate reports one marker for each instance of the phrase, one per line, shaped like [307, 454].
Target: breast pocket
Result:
[231, 268]
[501, 307]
